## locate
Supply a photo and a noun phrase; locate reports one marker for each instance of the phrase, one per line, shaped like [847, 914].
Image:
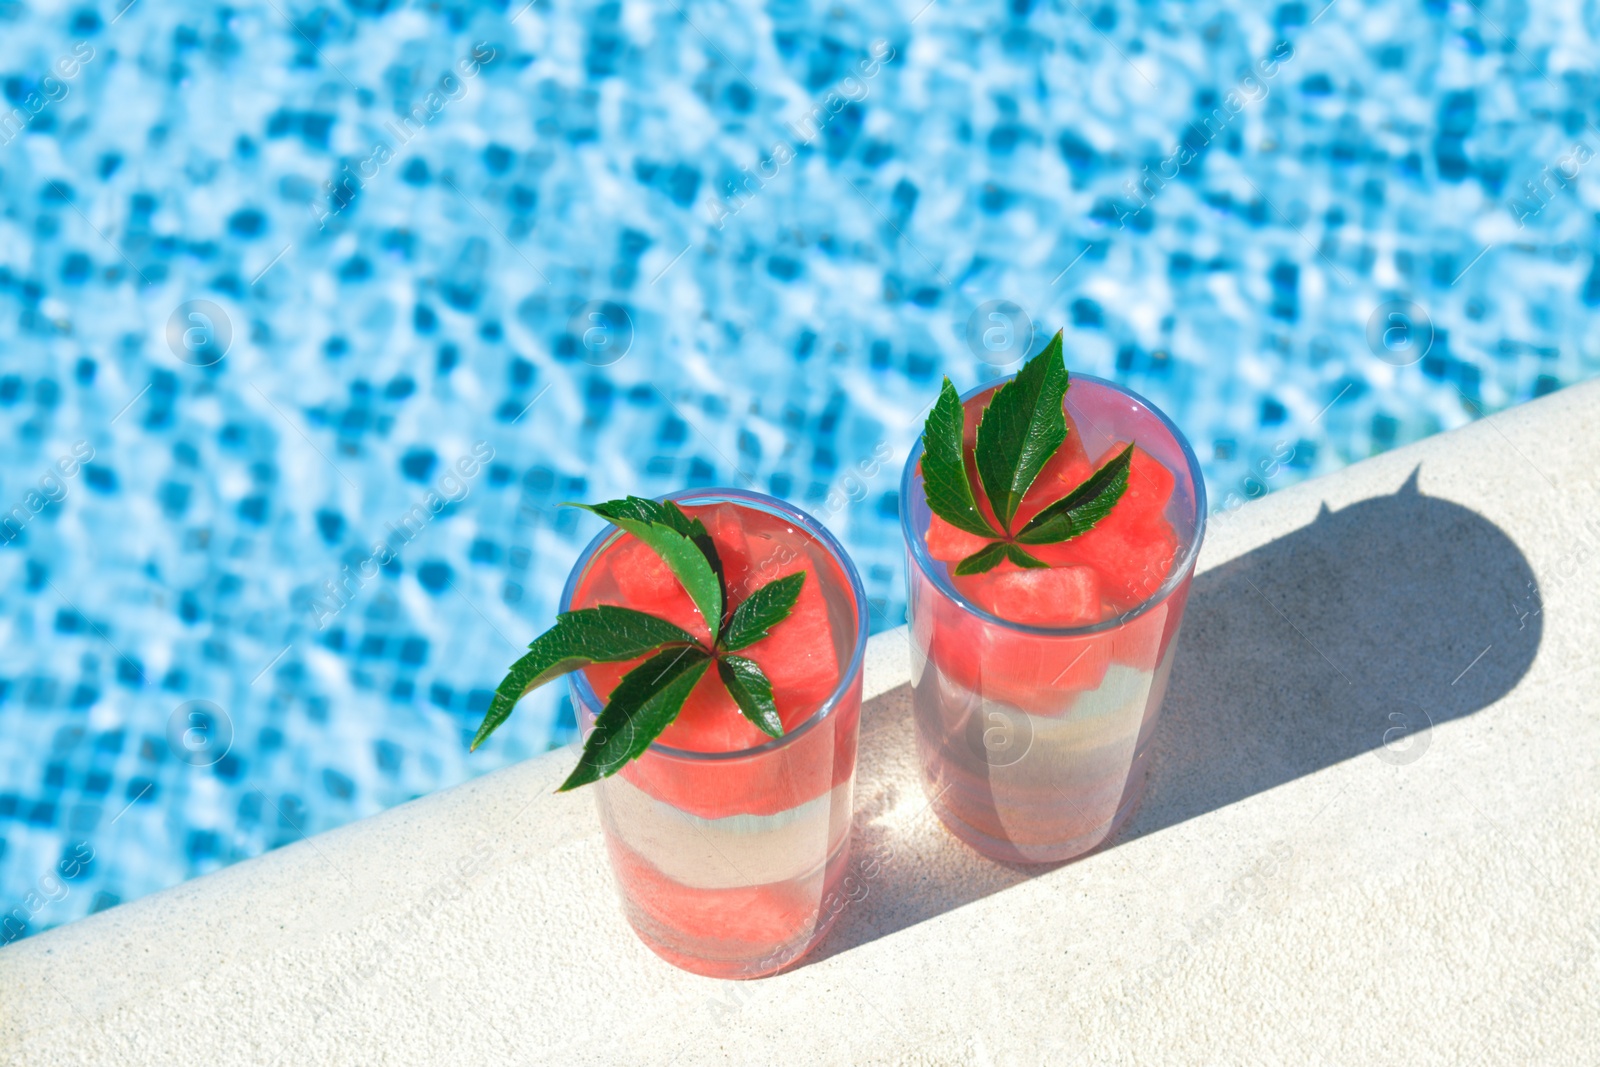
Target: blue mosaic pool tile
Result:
[264, 286]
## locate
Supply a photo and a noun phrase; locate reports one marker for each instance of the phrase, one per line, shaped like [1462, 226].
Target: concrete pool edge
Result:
[480, 924]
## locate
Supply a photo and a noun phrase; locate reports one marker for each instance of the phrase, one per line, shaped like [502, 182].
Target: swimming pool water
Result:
[280, 280]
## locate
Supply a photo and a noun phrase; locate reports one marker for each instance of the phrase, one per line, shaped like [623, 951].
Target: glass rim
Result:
[916, 543]
[583, 692]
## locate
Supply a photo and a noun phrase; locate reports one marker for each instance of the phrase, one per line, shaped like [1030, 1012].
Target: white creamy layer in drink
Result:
[726, 853]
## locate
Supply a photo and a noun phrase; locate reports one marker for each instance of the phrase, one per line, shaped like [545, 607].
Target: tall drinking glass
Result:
[729, 863]
[1034, 740]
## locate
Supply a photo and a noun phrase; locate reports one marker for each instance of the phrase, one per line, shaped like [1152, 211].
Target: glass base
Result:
[736, 954]
[1006, 851]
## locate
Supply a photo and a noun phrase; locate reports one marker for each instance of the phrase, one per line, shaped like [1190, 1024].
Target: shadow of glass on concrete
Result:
[1354, 634]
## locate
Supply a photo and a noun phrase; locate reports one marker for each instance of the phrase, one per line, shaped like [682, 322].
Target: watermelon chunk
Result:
[1056, 596]
[1132, 548]
[645, 583]
[1149, 485]
[1039, 673]
[949, 543]
[1132, 558]
[727, 532]
[739, 922]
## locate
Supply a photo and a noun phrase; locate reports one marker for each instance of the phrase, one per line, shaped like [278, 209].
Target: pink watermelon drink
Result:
[728, 844]
[1037, 687]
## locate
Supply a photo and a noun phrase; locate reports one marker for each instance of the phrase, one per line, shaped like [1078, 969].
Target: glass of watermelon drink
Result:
[729, 846]
[1036, 692]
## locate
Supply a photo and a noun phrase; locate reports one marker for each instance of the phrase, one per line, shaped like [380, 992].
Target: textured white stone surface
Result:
[1293, 890]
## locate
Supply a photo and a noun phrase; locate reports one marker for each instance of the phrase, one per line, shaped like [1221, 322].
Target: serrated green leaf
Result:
[603, 634]
[682, 555]
[1022, 559]
[944, 467]
[986, 558]
[1079, 511]
[1021, 429]
[666, 513]
[642, 705]
[708, 548]
[660, 512]
[750, 689]
[674, 516]
[762, 610]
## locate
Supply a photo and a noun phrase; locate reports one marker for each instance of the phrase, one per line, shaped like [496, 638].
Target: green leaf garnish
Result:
[644, 703]
[944, 468]
[603, 634]
[989, 557]
[986, 558]
[701, 539]
[1021, 429]
[1079, 510]
[662, 513]
[750, 689]
[677, 549]
[1022, 559]
[648, 698]
[658, 512]
[762, 610]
